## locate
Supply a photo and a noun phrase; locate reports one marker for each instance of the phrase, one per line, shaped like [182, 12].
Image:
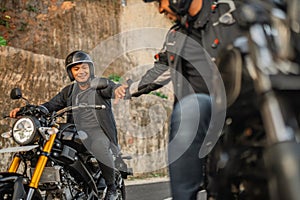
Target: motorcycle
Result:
[51, 161]
[258, 153]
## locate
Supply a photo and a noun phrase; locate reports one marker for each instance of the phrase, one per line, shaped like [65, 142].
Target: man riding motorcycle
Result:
[99, 125]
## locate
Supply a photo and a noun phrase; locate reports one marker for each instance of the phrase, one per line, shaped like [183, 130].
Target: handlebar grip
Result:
[100, 107]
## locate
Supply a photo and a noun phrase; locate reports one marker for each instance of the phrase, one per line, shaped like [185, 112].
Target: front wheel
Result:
[6, 191]
[120, 186]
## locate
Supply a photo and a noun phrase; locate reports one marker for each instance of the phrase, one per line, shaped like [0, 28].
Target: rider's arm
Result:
[13, 113]
[109, 91]
[156, 77]
[59, 101]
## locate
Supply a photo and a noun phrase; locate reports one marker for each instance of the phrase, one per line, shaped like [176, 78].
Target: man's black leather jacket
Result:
[182, 60]
[66, 97]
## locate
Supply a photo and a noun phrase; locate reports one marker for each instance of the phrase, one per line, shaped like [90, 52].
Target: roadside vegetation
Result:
[2, 41]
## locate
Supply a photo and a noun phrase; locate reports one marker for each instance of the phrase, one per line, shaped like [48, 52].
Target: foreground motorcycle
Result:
[258, 153]
[51, 161]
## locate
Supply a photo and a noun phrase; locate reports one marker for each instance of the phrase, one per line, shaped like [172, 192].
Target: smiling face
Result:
[81, 72]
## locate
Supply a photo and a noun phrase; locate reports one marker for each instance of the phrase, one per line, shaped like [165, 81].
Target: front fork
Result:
[15, 164]
[33, 185]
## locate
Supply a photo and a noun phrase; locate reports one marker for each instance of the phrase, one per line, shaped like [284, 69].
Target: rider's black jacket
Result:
[67, 97]
[182, 60]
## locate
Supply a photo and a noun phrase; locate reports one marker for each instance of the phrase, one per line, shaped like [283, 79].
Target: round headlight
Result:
[24, 131]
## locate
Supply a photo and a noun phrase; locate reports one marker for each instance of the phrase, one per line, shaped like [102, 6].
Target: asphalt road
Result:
[149, 191]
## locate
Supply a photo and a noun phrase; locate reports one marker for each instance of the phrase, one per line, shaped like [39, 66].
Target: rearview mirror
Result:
[16, 93]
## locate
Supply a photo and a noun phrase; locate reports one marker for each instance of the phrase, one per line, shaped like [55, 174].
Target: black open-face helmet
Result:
[180, 7]
[77, 57]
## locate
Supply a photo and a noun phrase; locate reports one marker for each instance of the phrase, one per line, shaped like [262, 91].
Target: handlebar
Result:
[80, 106]
[5, 116]
[30, 110]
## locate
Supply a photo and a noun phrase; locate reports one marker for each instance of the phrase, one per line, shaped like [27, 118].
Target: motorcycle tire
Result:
[121, 191]
[7, 191]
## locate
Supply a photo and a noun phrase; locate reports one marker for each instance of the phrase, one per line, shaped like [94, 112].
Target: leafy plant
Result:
[115, 78]
[31, 8]
[159, 94]
[2, 41]
[5, 21]
[2, 10]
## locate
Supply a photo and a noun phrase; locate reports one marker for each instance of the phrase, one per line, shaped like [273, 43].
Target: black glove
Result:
[127, 94]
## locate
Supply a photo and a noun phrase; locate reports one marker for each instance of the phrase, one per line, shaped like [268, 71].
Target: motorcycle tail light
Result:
[24, 130]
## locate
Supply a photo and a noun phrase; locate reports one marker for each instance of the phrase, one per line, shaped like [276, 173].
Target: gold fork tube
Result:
[42, 162]
[14, 164]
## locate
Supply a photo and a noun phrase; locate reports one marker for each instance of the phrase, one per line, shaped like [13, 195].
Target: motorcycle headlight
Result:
[25, 130]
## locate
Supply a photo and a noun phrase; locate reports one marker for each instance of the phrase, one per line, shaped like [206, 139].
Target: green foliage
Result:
[2, 41]
[2, 10]
[159, 94]
[5, 21]
[115, 78]
[31, 8]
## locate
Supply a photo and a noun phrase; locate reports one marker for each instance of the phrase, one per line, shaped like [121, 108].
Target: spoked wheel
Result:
[120, 186]
[121, 192]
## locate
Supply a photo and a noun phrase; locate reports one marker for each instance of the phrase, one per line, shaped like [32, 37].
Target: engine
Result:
[58, 183]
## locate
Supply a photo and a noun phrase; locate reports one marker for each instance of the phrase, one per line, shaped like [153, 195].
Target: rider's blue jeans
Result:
[189, 124]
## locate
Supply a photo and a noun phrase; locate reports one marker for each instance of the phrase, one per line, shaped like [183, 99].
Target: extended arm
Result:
[156, 77]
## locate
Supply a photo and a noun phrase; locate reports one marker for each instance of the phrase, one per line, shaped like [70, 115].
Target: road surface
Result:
[156, 189]
[159, 190]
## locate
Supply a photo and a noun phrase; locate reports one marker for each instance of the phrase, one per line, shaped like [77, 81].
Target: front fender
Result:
[14, 182]
[8, 177]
